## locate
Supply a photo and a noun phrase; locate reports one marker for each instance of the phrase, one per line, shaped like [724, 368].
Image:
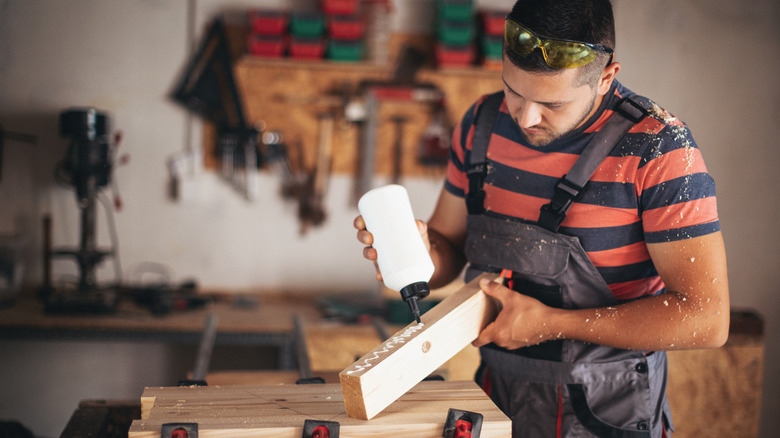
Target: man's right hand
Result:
[366, 238]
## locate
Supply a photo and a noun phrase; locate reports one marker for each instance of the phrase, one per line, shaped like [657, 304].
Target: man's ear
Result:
[607, 76]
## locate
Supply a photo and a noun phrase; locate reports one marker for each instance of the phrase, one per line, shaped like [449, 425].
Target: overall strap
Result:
[477, 166]
[569, 188]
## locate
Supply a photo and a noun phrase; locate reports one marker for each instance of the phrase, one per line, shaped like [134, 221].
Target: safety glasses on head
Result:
[558, 53]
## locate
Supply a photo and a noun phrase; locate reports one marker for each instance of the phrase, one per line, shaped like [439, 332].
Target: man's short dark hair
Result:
[589, 21]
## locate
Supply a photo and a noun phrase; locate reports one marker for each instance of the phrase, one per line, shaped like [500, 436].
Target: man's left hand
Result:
[520, 323]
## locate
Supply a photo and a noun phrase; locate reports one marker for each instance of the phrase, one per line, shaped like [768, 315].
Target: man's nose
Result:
[529, 115]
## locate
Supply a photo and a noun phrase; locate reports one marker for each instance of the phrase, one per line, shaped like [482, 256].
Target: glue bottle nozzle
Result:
[412, 302]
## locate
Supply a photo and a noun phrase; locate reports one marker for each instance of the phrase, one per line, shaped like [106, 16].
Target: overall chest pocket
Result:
[526, 249]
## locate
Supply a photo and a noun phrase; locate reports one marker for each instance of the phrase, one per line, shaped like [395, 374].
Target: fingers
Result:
[367, 238]
[493, 288]
[369, 253]
[485, 336]
[359, 223]
[496, 290]
[363, 235]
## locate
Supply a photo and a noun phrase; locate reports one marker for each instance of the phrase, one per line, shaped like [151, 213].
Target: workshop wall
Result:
[710, 62]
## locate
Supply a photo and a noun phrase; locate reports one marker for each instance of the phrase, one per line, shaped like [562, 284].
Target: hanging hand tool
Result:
[251, 175]
[435, 142]
[367, 150]
[398, 122]
[311, 210]
[277, 156]
[401, 86]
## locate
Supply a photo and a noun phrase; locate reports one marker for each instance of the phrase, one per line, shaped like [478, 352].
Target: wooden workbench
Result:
[266, 323]
[716, 389]
[713, 389]
[279, 411]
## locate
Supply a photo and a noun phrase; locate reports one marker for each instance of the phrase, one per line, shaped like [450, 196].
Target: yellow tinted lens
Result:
[564, 54]
[519, 39]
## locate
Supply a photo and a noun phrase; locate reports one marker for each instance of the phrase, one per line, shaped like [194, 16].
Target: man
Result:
[597, 288]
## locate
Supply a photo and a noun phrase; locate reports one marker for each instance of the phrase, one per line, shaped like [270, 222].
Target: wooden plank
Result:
[280, 411]
[386, 373]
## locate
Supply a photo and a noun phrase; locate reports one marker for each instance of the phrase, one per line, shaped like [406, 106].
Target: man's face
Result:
[547, 106]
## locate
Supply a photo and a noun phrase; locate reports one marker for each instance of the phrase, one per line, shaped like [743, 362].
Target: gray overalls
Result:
[563, 387]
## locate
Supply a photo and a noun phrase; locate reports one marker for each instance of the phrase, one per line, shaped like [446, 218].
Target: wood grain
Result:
[383, 375]
[280, 411]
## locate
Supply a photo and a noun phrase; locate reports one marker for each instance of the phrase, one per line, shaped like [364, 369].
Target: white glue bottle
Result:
[403, 259]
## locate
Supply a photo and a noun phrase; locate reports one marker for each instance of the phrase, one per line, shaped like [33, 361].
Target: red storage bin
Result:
[346, 27]
[348, 7]
[493, 22]
[307, 48]
[267, 46]
[455, 56]
[269, 22]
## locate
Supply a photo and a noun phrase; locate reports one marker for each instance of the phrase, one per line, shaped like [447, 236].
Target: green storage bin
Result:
[307, 25]
[346, 50]
[493, 46]
[455, 9]
[456, 33]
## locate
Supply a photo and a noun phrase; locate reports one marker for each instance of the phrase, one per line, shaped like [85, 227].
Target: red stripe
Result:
[519, 205]
[560, 412]
[588, 215]
[487, 384]
[511, 154]
[637, 288]
[512, 204]
[681, 215]
[617, 169]
[673, 164]
[634, 253]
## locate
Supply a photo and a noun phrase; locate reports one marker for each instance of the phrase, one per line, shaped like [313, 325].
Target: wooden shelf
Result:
[288, 96]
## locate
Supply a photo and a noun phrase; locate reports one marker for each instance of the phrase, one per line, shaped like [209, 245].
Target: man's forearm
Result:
[666, 322]
[447, 258]
[671, 321]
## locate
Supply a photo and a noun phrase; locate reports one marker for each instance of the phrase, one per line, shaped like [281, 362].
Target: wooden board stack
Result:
[279, 411]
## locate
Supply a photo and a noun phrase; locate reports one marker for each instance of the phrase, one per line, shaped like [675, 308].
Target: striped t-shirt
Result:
[653, 187]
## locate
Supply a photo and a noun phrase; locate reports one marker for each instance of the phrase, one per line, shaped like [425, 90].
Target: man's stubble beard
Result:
[557, 135]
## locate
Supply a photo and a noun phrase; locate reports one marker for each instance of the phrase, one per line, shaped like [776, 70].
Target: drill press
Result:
[87, 166]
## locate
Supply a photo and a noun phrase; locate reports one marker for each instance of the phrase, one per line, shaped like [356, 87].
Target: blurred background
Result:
[190, 214]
